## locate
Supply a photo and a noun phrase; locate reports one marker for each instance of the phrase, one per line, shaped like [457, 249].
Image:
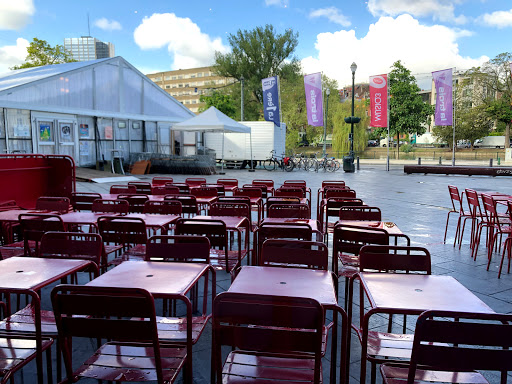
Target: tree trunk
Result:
[507, 136]
[398, 148]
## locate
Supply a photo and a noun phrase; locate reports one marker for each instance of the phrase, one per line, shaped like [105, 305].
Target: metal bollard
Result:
[440, 160]
[490, 162]
[499, 161]
[419, 160]
[357, 163]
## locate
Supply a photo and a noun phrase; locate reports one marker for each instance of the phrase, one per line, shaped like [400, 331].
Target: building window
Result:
[180, 85]
[167, 78]
[157, 79]
[199, 74]
[167, 86]
[180, 77]
[174, 77]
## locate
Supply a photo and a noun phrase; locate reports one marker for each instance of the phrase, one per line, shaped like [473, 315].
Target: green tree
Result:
[408, 113]
[494, 78]
[223, 103]
[257, 54]
[40, 52]
[340, 141]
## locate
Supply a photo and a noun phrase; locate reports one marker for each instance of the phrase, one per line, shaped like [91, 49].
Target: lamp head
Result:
[353, 68]
[328, 91]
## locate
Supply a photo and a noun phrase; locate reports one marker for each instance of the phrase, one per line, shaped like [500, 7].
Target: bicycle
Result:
[328, 163]
[285, 163]
[300, 161]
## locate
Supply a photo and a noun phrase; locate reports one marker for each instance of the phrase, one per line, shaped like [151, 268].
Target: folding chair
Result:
[82, 201]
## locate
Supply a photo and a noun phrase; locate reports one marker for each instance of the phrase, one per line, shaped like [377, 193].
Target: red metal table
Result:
[7, 218]
[295, 282]
[390, 227]
[410, 294]
[155, 221]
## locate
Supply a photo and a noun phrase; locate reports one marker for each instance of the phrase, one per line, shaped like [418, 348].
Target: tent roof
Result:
[211, 120]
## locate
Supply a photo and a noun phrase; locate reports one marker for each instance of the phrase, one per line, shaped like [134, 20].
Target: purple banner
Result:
[314, 101]
[271, 99]
[444, 101]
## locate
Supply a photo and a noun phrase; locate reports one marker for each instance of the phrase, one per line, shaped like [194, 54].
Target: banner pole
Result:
[453, 122]
[387, 159]
[279, 94]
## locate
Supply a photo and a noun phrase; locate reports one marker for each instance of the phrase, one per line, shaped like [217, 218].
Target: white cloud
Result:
[182, 37]
[498, 19]
[421, 48]
[442, 10]
[108, 25]
[15, 15]
[11, 55]
[333, 14]
[278, 3]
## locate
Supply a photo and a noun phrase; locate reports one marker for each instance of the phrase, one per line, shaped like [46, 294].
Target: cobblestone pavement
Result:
[418, 204]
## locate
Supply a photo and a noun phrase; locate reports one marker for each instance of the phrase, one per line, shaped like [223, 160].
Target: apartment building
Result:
[187, 85]
[87, 48]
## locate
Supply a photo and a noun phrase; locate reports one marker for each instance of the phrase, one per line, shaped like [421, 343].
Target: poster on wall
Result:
[45, 133]
[108, 132]
[20, 129]
[65, 132]
[84, 130]
[84, 148]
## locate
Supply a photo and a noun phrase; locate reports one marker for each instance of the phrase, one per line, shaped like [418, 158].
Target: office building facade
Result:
[87, 48]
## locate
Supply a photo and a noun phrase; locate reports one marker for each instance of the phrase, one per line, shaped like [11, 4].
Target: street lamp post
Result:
[348, 161]
[327, 93]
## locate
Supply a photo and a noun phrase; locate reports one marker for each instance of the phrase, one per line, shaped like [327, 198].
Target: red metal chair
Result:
[449, 346]
[268, 183]
[127, 317]
[253, 193]
[204, 192]
[265, 190]
[340, 192]
[272, 335]
[184, 188]
[126, 189]
[221, 190]
[457, 208]
[135, 202]
[223, 208]
[166, 207]
[507, 246]
[160, 180]
[142, 187]
[331, 208]
[110, 206]
[299, 183]
[281, 200]
[294, 231]
[476, 217]
[360, 213]
[51, 203]
[20, 348]
[195, 181]
[126, 234]
[34, 226]
[221, 257]
[181, 248]
[234, 199]
[290, 191]
[229, 184]
[82, 201]
[165, 190]
[296, 211]
[188, 204]
[294, 253]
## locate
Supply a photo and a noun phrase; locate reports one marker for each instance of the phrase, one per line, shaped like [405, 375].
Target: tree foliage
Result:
[40, 52]
[222, 102]
[255, 55]
[340, 141]
[408, 113]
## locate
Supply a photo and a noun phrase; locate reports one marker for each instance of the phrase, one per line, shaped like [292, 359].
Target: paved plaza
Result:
[418, 204]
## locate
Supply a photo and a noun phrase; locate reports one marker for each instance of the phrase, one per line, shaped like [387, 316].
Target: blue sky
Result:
[154, 35]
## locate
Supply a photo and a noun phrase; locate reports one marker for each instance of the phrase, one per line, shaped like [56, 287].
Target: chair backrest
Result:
[480, 341]
[53, 203]
[268, 183]
[282, 200]
[294, 253]
[234, 199]
[110, 206]
[214, 230]
[165, 207]
[264, 189]
[221, 190]
[204, 192]
[160, 180]
[135, 202]
[295, 182]
[141, 186]
[473, 203]
[297, 211]
[273, 324]
[188, 203]
[184, 248]
[248, 191]
[184, 188]
[363, 212]
[290, 191]
[195, 181]
[165, 190]
[115, 189]
[34, 226]
[124, 314]
[124, 231]
[327, 183]
[230, 209]
[228, 183]
[340, 192]
[391, 258]
[333, 205]
[82, 201]
[490, 209]
[455, 198]
[73, 245]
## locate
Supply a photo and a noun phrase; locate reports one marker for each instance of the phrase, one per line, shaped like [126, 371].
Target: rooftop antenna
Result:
[88, 25]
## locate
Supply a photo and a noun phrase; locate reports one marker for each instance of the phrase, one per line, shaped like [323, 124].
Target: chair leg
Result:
[373, 379]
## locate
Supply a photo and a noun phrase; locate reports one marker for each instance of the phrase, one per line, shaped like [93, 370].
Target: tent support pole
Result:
[251, 169]
[222, 161]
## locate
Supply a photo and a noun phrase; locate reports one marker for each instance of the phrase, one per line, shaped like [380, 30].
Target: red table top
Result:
[83, 217]
[36, 273]
[15, 213]
[289, 282]
[113, 196]
[420, 292]
[158, 278]
[154, 220]
[232, 222]
[278, 220]
[390, 227]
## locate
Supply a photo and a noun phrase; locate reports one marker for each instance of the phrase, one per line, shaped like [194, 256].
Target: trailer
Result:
[490, 142]
[266, 136]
